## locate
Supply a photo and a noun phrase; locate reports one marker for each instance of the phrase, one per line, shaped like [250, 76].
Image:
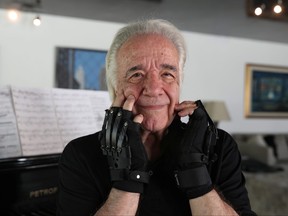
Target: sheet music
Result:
[76, 113]
[9, 139]
[100, 102]
[37, 122]
[43, 121]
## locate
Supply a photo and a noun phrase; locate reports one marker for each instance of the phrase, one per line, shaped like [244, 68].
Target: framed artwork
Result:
[266, 91]
[80, 68]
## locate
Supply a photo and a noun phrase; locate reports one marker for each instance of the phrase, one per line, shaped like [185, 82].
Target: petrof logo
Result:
[43, 192]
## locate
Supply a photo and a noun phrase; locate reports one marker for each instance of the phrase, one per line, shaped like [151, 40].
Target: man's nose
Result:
[153, 85]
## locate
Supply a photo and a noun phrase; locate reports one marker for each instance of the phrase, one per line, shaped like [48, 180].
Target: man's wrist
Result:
[193, 193]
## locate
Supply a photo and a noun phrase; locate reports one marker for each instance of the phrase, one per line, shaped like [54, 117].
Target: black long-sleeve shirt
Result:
[85, 182]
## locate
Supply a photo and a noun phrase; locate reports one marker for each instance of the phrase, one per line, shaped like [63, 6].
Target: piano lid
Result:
[29, 162]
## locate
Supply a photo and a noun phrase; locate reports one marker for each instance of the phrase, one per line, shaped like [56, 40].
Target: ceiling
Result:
[220, 17]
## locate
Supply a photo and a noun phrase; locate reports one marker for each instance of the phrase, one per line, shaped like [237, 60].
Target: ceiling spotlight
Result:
[278, 8]
[37, 21]
[258, 11]
[13, 15]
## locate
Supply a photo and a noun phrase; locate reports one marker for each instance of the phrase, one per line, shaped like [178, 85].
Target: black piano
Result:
[29, 185]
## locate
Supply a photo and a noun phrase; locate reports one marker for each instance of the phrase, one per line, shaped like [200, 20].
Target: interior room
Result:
[227, 43]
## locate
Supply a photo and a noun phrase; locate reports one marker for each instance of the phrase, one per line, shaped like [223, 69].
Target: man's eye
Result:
[168, 74]
[168, 77]
[136, 77]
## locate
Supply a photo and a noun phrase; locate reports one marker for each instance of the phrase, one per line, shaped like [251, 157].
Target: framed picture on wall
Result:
[266, 91]
[80, 68]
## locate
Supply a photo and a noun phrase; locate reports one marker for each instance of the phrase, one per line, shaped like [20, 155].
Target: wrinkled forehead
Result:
[148, 46]
[144, 40]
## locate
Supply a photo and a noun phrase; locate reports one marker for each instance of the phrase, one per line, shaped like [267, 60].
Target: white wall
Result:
[216, 70]
[215, 67]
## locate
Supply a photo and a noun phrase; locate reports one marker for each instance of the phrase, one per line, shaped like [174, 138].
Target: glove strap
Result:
[194, 158]
[124, 174]
[194, 177]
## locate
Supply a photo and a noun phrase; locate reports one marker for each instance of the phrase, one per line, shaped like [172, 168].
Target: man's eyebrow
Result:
[168, 66]
[140, 67]
[132, 69]
[135, 68]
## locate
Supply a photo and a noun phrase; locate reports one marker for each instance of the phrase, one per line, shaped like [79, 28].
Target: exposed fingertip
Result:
[129, 103]
[138, 118]
[180, 114]
[131, 97]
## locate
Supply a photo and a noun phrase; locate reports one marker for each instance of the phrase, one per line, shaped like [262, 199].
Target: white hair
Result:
[152, 26]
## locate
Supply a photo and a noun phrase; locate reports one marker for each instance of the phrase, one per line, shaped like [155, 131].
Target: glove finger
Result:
[103, 131]
[116, 126]
[196, 128]
[210, 140]
[105, 120]
[198, 120]
[122, 137]
[110, 123]
[138, 151]
[126, 115]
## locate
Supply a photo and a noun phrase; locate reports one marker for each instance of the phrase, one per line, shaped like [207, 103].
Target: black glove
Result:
[193, 154]
[121, 142]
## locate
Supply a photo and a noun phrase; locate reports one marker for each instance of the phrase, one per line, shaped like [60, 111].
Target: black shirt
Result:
[85, 182]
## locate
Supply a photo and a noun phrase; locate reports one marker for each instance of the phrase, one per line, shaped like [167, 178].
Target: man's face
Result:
[148, 69]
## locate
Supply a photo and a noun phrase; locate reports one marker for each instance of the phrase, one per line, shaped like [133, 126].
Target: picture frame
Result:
[80, 68]
[266, 91]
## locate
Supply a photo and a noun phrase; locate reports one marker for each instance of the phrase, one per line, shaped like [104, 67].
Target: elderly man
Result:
[145, 161]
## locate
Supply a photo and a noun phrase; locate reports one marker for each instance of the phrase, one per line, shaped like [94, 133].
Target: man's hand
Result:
[121, 143]
[193, 151]
[186, 108]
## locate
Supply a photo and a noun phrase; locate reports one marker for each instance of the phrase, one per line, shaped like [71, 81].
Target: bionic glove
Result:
[193, 154]
[121, 142]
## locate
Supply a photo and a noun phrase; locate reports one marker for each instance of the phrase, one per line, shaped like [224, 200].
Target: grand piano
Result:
[29, 185]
